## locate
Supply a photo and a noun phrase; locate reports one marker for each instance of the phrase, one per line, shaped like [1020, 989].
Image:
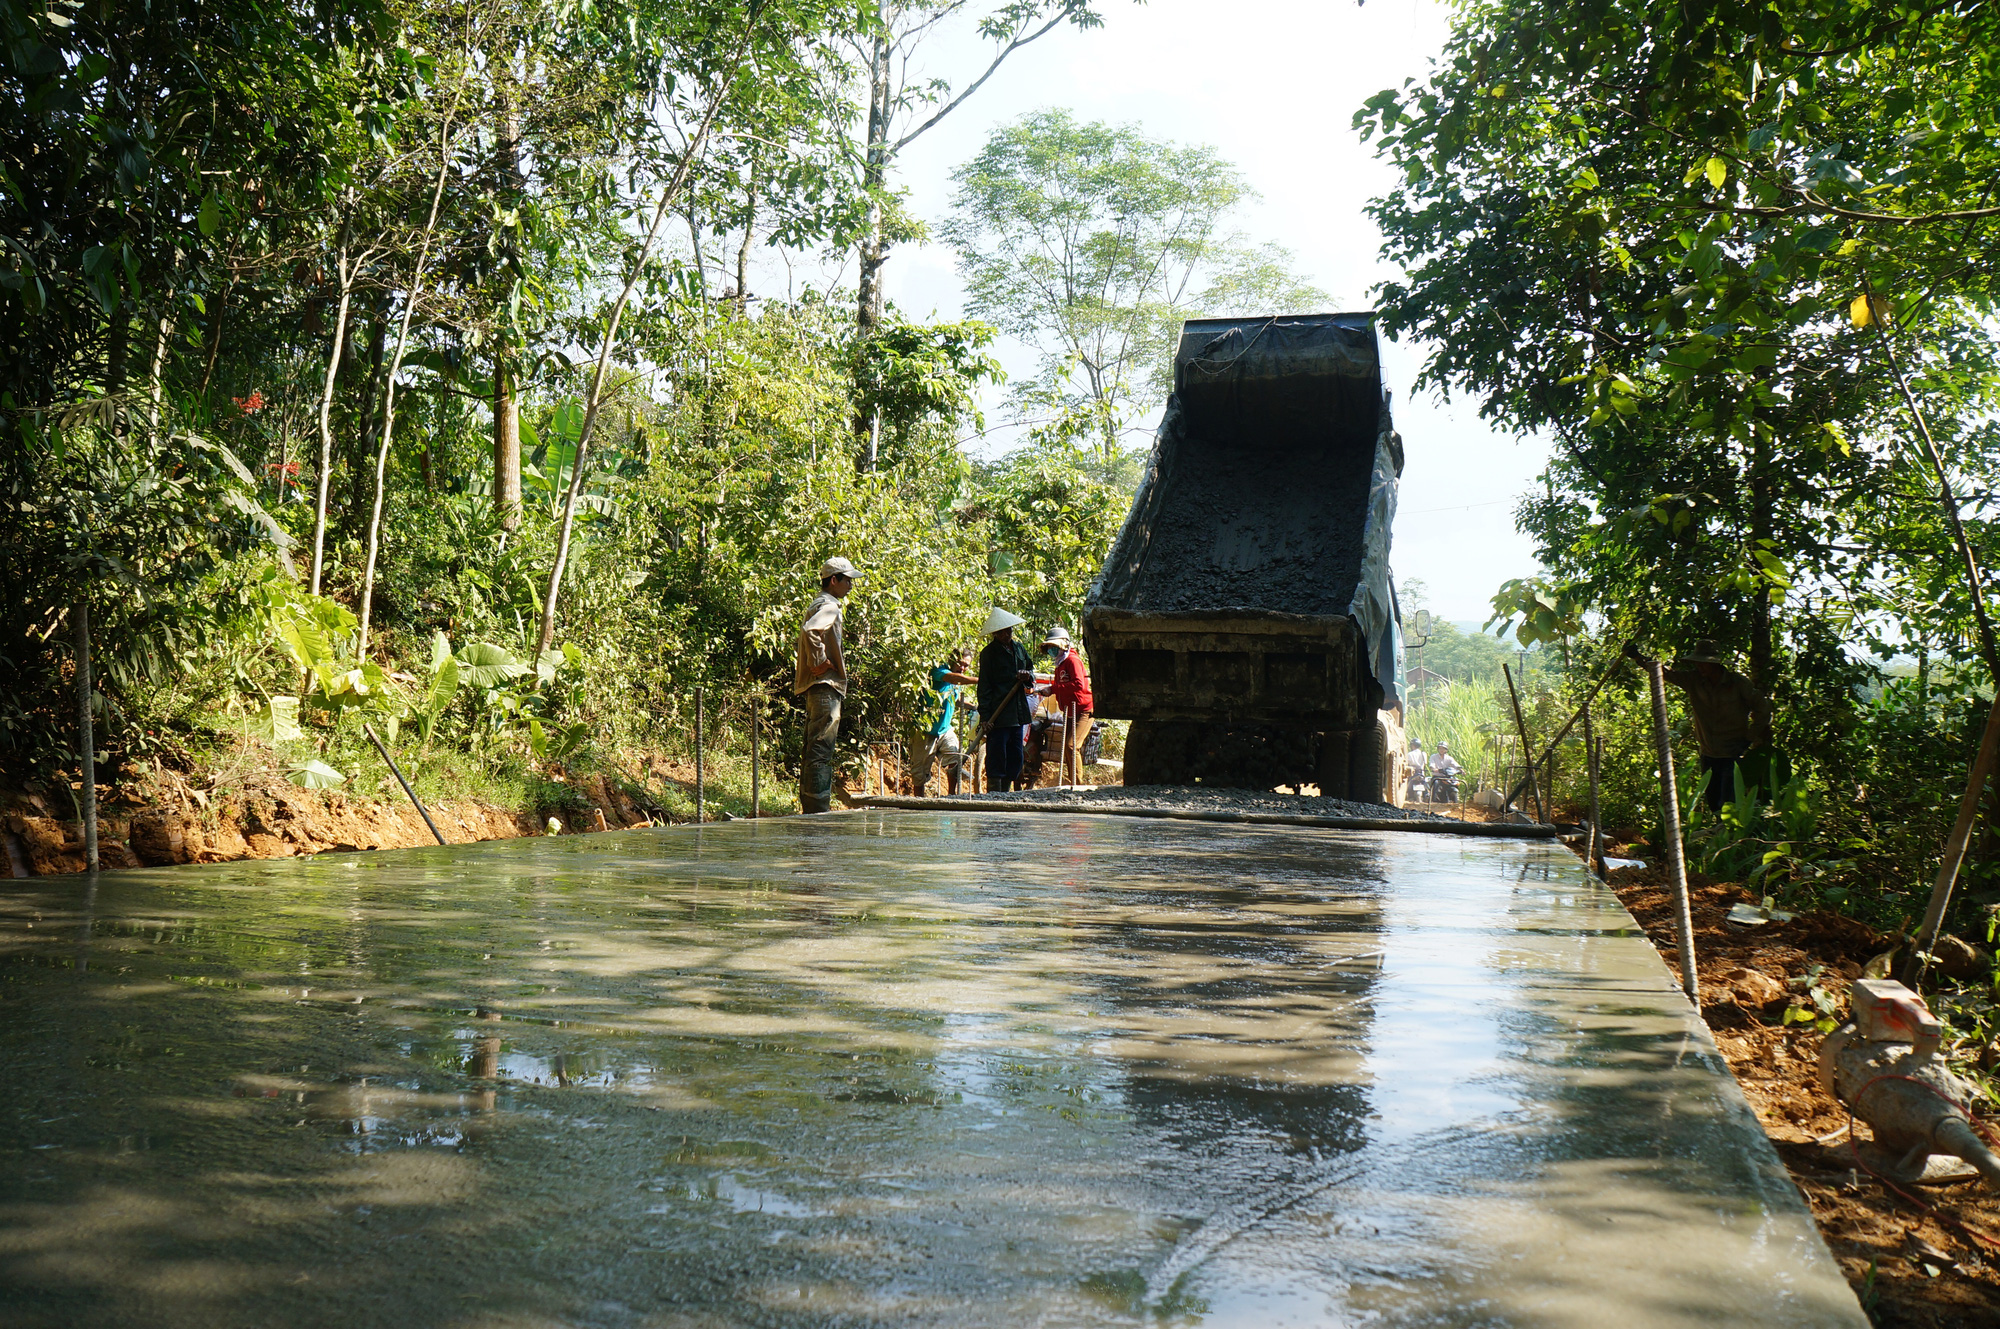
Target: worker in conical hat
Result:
[1006, 676]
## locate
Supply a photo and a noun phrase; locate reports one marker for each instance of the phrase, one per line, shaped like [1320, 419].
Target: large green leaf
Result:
[304, 641]
[484, 665]
[317, 774]
[278, 722]
[444, 685]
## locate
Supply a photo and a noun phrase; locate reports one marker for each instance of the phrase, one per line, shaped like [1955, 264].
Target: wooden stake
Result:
[756, 803]
[86, 732]
[697, 758]
[1670, 817]
[1562, 733]
[1918, 959]
[1527, 752]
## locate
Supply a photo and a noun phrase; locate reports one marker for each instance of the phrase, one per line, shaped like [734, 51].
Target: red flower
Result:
[251, 404]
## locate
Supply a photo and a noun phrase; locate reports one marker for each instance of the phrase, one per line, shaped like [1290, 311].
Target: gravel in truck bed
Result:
[1184, 798]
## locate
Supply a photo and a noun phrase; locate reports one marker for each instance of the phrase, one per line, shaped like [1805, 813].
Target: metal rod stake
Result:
[397, 771]
[1670, 816]
[1527, 752]
[1593, 847]
[86, 732]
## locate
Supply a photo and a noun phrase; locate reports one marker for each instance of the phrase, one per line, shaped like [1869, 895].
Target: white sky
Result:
[1273, 84]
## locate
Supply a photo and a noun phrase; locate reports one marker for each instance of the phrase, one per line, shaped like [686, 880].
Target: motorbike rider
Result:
[1419, 765]
[1444, 775]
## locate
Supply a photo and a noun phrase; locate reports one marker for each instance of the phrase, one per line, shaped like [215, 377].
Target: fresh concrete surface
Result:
[878, 1068]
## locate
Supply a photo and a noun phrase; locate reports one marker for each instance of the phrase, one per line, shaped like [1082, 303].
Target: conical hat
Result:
[999, 620]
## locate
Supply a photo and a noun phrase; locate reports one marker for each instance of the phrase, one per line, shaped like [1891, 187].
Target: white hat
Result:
[838, 567]
[1056, 637]
[1000, 620]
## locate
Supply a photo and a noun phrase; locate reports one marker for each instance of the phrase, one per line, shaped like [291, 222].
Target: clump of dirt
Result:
[1909, 1265]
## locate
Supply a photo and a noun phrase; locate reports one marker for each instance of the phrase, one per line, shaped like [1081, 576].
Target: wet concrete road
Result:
[877, 1069]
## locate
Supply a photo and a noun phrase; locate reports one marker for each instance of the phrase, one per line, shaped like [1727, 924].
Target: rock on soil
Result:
[1911, 1267]
[1197, 798]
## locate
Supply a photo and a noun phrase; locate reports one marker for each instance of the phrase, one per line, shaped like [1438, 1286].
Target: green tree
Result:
[1092, 243]
[1661, 239]
[1052, 518]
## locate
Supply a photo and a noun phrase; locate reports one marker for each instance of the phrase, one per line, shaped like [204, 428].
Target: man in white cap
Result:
[821, 678]
[1006, 675]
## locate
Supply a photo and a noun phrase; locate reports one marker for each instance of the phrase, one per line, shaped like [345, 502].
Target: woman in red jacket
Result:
[1071, 686]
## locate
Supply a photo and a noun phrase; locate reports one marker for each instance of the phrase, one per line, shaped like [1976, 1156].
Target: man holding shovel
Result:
[821, 678]
[1006, 675]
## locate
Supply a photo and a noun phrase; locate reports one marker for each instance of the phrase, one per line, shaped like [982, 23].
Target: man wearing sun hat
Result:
[820, 676]
[1006, 675]
[1730, 718]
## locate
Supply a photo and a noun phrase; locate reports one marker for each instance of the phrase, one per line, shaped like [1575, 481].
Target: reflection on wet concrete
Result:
[876, 1069]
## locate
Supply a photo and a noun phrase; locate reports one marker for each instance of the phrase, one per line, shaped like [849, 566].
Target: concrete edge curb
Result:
[1491, 830]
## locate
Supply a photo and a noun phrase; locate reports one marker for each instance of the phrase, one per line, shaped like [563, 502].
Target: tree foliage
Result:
[1092, 243]
[1703, 249]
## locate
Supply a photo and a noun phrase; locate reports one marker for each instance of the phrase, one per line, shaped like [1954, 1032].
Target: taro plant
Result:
[317, 633]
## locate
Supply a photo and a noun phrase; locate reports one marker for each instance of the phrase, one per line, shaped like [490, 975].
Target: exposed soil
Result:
[269, 817]
[1908, 1266]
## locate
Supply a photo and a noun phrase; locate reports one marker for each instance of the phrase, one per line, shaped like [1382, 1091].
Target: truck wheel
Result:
[1368, 765]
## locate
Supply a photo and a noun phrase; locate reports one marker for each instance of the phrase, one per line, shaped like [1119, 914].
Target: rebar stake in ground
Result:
[1670, 818]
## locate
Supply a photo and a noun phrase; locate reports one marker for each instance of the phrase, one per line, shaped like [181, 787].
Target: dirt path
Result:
[1909, 1267]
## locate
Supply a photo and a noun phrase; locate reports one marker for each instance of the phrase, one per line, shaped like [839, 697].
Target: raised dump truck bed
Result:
[1244, 619]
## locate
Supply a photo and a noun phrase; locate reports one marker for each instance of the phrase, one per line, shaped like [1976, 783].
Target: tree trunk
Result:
[545, 635]
[154, 389]
[325, 476]
[874, 245]
[874, 173]
[389, 396]
[743, 254]
[215, 338]
[506, 442]
[371, 420]
[506, 408]
[1760, 532]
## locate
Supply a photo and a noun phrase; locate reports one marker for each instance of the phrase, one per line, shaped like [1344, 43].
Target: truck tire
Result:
[1368, 766]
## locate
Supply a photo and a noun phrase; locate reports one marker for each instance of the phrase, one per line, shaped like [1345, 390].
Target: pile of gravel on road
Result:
[1187, 798]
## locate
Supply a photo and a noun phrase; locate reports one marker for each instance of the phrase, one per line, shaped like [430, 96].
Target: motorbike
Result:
[1442, 787]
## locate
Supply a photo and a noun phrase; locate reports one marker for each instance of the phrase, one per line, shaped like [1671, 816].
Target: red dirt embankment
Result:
[1908, 1265]
[273, 818]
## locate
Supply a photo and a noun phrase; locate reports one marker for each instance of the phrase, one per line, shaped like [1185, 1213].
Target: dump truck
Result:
[1245, 620]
